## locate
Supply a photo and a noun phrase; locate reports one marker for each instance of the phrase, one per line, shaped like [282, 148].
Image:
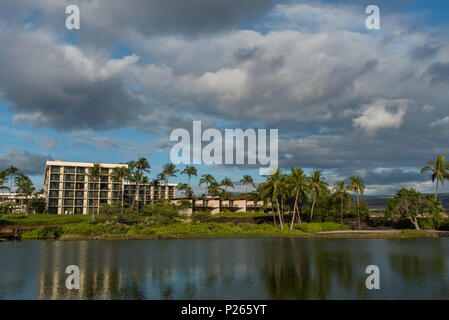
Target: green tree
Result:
[272, 190]
[137, 170]
[3, 179]
[206, 179]
[119, 174]
[227, 183]
[185, 188]
[411, 204]
[215, 190]
[189, 171]
[439, 170]
[299, 184]
[24, 187]
[247, 180]
[341, 190]
[95, 175]
[11, 173]
[318, 186]
[169, 170]
[358, 187]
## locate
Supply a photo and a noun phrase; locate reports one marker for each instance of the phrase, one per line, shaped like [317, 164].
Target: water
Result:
[270, 268]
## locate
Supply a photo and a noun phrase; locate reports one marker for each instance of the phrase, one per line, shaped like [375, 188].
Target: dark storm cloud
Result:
[57, 86]
[439, 72]
[343, 99]
[27, 162]
[106, 21]
[425, 51]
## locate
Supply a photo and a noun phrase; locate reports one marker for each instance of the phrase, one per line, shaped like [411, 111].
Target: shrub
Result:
[43, 233]
[315, 227]
[162, 212]
[201, 216]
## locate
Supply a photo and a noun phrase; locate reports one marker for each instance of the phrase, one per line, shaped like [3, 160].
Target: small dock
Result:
[10, 234]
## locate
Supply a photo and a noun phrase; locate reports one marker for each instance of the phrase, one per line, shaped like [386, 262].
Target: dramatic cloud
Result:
[376, 116]
[343, 98]
[27, 162]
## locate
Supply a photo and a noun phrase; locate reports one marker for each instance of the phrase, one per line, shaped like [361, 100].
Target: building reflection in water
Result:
[270, 268]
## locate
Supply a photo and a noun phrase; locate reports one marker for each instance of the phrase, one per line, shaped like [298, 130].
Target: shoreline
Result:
[344, 234]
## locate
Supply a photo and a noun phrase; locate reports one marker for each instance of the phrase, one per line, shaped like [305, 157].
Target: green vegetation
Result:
[320, 227]
[411, 204]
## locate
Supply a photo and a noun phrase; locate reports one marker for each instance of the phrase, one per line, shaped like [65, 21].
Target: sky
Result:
[345, 99]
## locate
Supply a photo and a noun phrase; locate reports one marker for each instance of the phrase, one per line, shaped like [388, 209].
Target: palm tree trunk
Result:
[358, 208]
[98, 202]
[279, 214]
[294, 210]
[313, 205]
[273, 213]
[341, 210]
[246, 197]
[298, 211]
[122, 191]
[133, 203]
[436, 191]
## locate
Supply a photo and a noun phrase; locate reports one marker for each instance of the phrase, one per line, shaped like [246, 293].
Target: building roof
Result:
[83, 164]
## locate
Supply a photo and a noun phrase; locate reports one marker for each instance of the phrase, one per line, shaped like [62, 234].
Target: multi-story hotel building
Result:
[70, 190]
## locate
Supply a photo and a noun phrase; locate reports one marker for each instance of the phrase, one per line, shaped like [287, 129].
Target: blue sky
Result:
[148, 70]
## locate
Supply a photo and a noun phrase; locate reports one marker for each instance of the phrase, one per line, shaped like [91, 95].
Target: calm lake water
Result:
[226, 269]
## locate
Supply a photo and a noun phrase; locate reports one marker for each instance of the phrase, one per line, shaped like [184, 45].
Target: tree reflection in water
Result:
[264, 268]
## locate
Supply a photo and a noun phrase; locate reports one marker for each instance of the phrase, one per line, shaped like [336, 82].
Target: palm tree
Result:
[298, 183]
[439, 169]
[3, 179]
[358, 187]
[119, 174]
[137, 170]
[318, 185]
[95, 175]
[24, 188]
[226, 182]
[247, 180]
[189, 171]
[341, 189]
[184, 187]
[206, 179]
[11, 172]
[214, 189]
[169, 170]
[272, 189]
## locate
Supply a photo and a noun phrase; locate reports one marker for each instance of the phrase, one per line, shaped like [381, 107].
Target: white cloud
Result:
[440, 122]
[377, 116]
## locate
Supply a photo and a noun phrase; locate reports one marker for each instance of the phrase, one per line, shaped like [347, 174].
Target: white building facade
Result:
[70, 190]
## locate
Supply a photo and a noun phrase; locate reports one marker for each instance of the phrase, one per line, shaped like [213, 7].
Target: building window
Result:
[53, 210]
[69, 170]
[69, 177]
[54, 177]
[69, 194]
[54, 185]
[55, 169]
[68, 202]
[80, 186]
[80, 170]
[80, 178]
[54, 194]
[69, 185]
